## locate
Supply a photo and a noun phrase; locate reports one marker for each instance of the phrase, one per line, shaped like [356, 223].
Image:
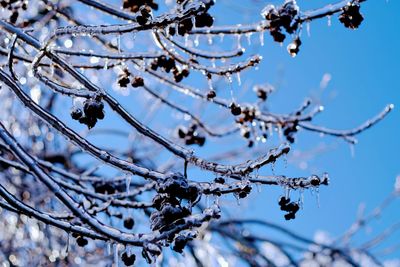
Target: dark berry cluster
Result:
[181, 241]
[137, 81]
[14, 7]
[249, 114]
[93, 110]
[219, 180]
[168, 204]
[144, 16]
[211, 94]
[294, 47]
[316, 181]
[104, 188]
[263, 91]
[290, 207]
[186, 25]
[351, 16]
[178, 186]
[150, 251]
[243, 192]
[80, 240]
[290, 130]
[245, 131]
[127, 259]
[204, 20]
[168, 215]
[129, 222]
[125, 78]
[261, 94]
[282, 17]
[235, 109]
[168, 64]
[135, 5]
[191, 135]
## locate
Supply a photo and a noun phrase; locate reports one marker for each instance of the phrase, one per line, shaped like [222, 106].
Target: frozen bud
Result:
[76, 113]
[351, 16]
[211, 94]
[294, 47]
[128, 260]
[235, 109]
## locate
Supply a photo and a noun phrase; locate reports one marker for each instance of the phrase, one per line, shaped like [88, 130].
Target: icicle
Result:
[352, 150]
[229, 78]
[116, 257]
[279, 129]
[308, 26]
[109, 248]
[186, 40]
[273, 168]
[216, 200]
[285, 161]
[52, 70]
[262, 38]
[133, 38]
[67, 245]
[301, 198]
[213, 63]
[221, 37]
[106, 64]
[196, 41]
[258, 185]
[128, 183]
[210, 39]
[239, 80]
[248, 36]
[329, 21]
[271, 132]
[287, 192]
[237, 199]
[239, 43]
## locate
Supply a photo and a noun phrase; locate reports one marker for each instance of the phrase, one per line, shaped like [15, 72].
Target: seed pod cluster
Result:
[182, 239]
[186, 25]
[168, 64]
[16, 8]
[290, 130]
[294, 47]
[281, 18]
[351, 16]
[290, 207]
[128, 259]
[124, 78]
[93, 110]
